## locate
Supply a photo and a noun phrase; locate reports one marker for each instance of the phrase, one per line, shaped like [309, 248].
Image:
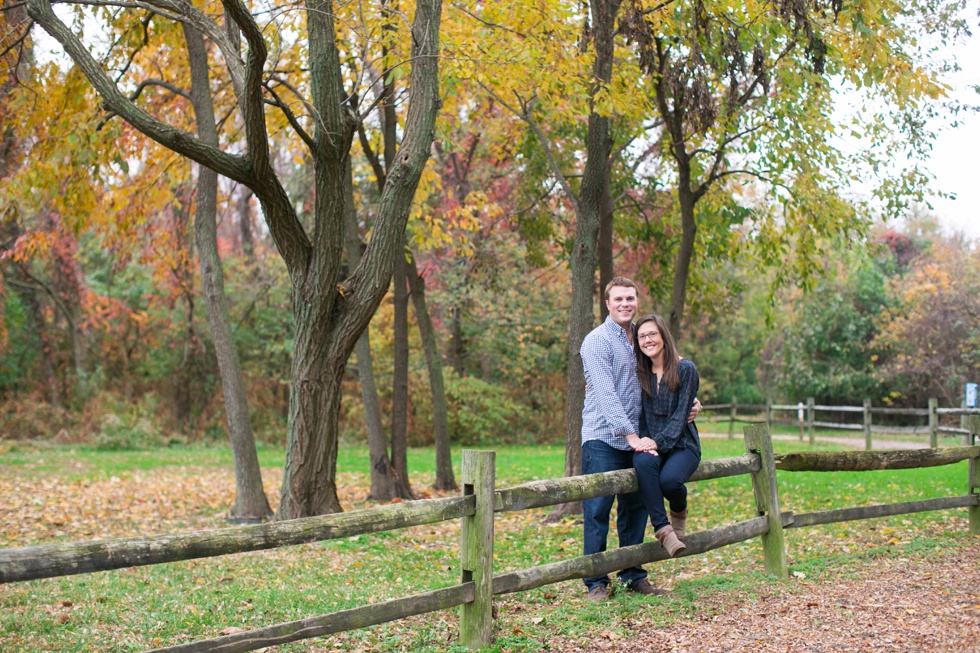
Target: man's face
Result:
[621, 305]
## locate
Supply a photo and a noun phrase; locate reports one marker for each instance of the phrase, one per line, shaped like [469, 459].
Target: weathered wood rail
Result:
[476, 508]
[806, 418]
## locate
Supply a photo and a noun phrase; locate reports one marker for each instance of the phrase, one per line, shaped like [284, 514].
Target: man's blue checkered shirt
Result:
[612, 395]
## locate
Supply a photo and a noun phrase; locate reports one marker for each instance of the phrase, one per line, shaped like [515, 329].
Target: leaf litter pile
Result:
[899, 584]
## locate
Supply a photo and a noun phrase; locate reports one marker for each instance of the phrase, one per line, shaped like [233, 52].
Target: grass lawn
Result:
[54, 493]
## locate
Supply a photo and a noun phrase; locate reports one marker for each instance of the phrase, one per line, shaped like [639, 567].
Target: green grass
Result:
[140, 608]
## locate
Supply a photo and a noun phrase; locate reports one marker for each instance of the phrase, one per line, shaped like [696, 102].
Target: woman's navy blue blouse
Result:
[663, 416]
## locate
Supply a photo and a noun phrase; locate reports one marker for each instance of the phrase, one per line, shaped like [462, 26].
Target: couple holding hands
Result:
[640, 405]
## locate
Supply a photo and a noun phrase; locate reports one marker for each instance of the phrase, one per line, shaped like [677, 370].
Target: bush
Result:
[130, 426]
[482, 412]
[29, 419]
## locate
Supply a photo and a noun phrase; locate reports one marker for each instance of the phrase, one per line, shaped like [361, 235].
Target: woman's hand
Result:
[648, 445]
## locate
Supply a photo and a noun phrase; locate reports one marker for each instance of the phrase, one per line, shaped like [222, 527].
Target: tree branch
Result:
[290, 116]
[19, 41]
[144, 23]
[525, 115]
[157, 82]
[487, 22]
[181, 12]
[662, 5]
[372, 157]
[47, 290]
[179, 141]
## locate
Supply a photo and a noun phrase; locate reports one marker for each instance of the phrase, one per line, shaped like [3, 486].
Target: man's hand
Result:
[695, 409]
[648, 445]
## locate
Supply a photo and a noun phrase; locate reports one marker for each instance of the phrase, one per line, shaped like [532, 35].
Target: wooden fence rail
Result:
[806, 420]
[476, 509]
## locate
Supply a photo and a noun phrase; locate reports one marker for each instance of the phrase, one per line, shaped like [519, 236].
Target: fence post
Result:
[867, 424]
[809, 418]
[799, 417]
[476, 549]
[758, 440]
[769, 412]
[973, 485]
[731, 418]
[965, 424]
[933, 423]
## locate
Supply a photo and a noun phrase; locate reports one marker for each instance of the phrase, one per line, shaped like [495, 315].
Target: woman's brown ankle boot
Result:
[678, 520]
[668, 539]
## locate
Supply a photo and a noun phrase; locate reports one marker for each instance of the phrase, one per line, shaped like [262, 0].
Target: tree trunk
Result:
[440, 414]
[183, 383]
[595, 183]
[382, 478]
[250, 500]
[310, 485]
[606, 271]
[456, 349]
[49, 377]
[399, 393]
[244, 211]
[684, 253]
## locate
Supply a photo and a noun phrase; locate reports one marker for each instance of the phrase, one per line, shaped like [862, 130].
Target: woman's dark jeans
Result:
[663, 476]
[631, 517]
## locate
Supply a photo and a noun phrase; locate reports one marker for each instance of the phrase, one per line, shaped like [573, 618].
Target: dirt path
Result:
[927, 604]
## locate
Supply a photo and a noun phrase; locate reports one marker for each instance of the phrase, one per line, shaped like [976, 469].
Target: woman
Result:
[669, 449]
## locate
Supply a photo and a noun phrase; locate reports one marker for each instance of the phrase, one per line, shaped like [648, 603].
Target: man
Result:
[610, 420]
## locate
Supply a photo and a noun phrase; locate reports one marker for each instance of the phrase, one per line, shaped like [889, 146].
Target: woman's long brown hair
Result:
[644, 366]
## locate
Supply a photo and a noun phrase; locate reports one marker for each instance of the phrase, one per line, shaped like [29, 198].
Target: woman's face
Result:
[650, 341]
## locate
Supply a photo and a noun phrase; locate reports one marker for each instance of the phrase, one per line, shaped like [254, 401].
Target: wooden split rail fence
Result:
[806, 413]
[476, 508]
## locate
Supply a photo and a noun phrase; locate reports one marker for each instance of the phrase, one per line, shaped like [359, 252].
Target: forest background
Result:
[727, 197]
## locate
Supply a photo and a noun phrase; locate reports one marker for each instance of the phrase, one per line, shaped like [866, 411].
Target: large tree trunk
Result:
[250, 500]
[310, 485]
[595, 182]
[382, 478]
[433, 360]
[399, 392]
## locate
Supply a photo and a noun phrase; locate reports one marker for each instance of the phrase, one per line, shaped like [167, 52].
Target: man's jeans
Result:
[631, 515]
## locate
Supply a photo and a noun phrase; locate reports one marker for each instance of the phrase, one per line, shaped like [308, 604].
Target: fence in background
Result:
[806, 413]
[476, 508]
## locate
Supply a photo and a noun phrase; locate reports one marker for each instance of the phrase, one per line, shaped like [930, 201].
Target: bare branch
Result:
[144, 23]
[372, 157]
[486, 22]
[290, 116]
[161, 83]
[662, 5]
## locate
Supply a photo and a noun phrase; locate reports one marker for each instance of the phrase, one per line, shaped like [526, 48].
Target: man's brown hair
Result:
[622, 282]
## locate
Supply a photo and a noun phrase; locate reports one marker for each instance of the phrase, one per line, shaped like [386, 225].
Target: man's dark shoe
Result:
[599, 593]
[643, 586]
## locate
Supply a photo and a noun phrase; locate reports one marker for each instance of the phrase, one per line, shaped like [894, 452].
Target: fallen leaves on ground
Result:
[912, 605]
